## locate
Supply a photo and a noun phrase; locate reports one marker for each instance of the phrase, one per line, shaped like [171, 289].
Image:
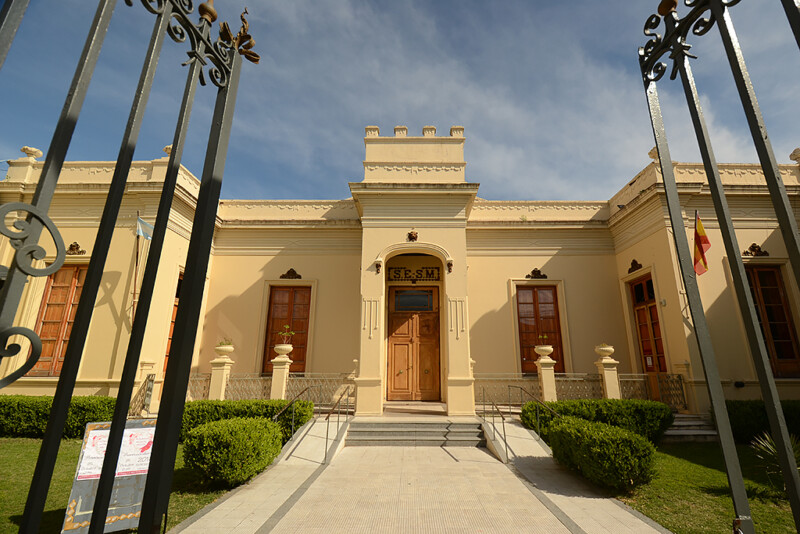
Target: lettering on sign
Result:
[404, 274]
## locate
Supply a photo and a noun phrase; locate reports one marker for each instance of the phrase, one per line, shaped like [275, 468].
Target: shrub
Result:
[749, 418]
[26, 416]
[764, 448]
[606, 455]
[647, 418]
[232, 451]
[197, 413]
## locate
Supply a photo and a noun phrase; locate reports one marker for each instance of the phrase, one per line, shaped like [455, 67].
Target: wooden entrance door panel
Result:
[413, 350]
[427, 369]
[401, 371]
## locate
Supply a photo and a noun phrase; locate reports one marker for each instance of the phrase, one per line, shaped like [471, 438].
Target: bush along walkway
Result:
[682, 486]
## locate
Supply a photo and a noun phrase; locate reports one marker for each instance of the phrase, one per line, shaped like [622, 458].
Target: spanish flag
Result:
[701, 246]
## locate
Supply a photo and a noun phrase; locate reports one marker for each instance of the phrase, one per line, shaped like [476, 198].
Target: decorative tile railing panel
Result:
[248, 386]
[670, 389]
[633, 386]
[140, 403]
[198, 386]
[495, 388]
[578, 386]
[325, 387]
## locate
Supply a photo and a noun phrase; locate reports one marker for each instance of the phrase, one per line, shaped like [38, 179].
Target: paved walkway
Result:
[416, 489]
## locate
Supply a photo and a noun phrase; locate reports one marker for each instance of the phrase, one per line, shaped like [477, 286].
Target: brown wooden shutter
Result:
[537, 314]
[54, 325]
[292, 306]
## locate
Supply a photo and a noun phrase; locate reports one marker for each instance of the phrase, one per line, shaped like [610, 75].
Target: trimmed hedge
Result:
[198, 413]
[606, 455]
[749, 418]
[647, 418]
[232, 451]
[26, 416]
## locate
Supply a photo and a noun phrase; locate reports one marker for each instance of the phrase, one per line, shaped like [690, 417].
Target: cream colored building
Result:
[418, 289]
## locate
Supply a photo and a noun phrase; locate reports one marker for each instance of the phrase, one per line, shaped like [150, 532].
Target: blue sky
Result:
[549, 92]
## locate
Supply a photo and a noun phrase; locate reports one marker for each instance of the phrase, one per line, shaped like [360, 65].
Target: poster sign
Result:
[126, 496]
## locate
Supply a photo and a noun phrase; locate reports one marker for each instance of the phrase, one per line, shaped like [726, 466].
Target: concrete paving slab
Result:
[416, 489]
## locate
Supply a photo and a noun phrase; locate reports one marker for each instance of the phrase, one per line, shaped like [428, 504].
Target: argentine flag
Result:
[144, 229]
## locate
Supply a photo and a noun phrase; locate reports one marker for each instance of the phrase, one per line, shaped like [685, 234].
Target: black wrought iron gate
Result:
[702, 16]
[216, 59]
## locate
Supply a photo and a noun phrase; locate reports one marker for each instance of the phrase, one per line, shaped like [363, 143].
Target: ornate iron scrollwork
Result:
[218, 55]
[14, 348]
[26, 254]
[699, 21]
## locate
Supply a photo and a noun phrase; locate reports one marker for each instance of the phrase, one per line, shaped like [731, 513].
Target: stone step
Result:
[415, 443]
[415, 427]
[415, 434]
[680, 436]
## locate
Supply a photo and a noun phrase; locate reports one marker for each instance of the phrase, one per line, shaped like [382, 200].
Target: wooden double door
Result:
[413, 344]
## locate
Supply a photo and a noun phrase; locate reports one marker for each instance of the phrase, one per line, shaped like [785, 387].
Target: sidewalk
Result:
[416, 489]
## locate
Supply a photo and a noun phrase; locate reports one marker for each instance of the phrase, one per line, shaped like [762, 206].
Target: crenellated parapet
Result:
[412, 159]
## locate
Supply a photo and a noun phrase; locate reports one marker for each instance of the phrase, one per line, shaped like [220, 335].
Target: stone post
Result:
[547, 372]
[220, 371]
[607, 367]
[280, 371]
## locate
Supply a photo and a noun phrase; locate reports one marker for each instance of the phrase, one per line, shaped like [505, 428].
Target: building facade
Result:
[416, 287]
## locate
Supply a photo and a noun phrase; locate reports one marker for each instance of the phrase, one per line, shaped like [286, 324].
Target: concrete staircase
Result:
[690, 427]
[433, 433]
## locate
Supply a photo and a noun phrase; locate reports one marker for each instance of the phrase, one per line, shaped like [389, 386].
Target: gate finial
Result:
[667, 6]
[207, 11]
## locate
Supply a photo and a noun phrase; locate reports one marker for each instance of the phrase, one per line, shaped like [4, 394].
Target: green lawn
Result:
[18, 457]
[690, 493]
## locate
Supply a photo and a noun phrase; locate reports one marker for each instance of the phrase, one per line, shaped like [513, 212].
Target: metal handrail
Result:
[338, 408]
[537, 403]
[291, 403]
[494, 426]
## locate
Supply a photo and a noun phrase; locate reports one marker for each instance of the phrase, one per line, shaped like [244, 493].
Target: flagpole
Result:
[136, 267]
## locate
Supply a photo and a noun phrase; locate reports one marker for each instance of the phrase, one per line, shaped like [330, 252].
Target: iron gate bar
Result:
[792, 9]
[162, 460]
[652, 70]
[10, 18]
[15, 282]
[98, 260]
[758, 130]
[733, 469]
[744, 297]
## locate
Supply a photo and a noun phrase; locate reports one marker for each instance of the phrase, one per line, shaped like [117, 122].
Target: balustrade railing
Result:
[140, 404]
[671, 391]
[248, 386]
[633, 386]
[495, 387]
[579, 386]
[325, 387]
[199, 384]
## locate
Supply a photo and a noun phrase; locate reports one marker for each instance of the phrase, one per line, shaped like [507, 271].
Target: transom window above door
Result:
[413, 300]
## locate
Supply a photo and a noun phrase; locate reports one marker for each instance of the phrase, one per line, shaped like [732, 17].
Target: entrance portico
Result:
[413, 205]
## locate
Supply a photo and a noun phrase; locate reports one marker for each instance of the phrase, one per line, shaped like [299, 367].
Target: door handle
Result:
[427, 371]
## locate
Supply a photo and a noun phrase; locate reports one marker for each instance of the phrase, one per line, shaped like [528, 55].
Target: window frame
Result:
[70, 305]
[563, 324]
[787, 304]
[260, 362]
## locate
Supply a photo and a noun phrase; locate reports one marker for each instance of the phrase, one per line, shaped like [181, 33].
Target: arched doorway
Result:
[413, 356]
